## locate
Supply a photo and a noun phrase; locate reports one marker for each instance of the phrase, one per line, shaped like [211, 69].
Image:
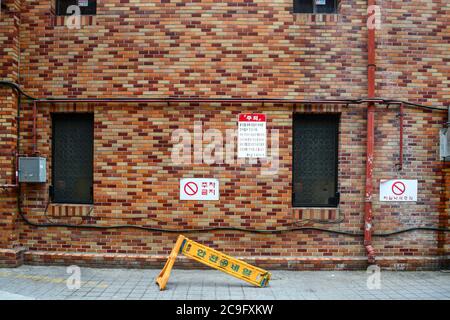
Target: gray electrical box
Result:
[32, 169]
[445, 144]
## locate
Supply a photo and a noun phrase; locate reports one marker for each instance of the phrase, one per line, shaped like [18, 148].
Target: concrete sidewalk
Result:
[11, 296]
[39, 282]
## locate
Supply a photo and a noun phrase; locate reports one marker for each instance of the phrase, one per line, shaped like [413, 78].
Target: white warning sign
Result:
[398, 190]
[199, 189]
[252, 135]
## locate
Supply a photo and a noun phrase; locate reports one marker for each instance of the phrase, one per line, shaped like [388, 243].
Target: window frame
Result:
[52, 186]
[57, 6]
[336, 176]
[314, 5]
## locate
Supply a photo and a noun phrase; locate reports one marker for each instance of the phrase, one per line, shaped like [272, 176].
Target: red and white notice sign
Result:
[398, 190]
[199, 189]
[252, 135]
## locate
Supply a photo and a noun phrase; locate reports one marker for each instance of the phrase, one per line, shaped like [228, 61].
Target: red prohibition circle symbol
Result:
[398, 188]
[190, 188]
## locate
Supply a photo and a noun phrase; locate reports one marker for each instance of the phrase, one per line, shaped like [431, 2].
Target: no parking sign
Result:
[398, 190]
[199, 189]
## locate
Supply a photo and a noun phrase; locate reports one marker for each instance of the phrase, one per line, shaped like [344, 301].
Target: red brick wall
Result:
[412, 51]
[8, 196]
[135, 182]
[445, 217]
[237, 49]
[421, 162]
[9, 40]
[9, 47]
[205, 48]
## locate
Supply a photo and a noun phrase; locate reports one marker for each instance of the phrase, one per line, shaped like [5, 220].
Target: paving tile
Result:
[121, 284]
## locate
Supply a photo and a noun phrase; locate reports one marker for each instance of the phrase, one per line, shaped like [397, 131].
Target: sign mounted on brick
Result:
[199, 189]
[398, 190]
[252, 135]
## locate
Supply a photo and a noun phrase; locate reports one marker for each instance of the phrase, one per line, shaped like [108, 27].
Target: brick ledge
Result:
[120, 260]
[11, 258]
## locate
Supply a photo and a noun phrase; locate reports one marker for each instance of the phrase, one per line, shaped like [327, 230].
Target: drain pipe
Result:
[34, 128]
[368, 214]
[448, 128]
[401, 126]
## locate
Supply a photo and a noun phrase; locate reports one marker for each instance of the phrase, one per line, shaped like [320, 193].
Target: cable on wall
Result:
[21, 93]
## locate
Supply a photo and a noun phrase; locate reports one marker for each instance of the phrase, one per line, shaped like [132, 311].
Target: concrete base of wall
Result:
[17, 257]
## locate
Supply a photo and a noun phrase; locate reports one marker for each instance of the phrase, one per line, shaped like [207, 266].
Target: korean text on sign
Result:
[252, 135]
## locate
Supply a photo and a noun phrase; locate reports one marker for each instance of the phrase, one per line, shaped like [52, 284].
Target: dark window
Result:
[315, 160]
[72, 154]
[315, 6]
[87, 7]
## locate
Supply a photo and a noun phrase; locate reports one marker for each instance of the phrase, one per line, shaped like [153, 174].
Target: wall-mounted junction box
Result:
[445, 144]
[32, 169]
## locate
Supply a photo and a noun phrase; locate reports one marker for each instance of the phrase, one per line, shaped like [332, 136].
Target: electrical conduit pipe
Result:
[368, 214]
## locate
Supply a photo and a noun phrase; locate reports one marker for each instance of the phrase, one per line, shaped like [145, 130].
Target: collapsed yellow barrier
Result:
[214, 259]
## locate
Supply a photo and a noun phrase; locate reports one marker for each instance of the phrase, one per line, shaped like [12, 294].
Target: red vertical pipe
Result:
[400, 162]
[34, 128]
[368, 214]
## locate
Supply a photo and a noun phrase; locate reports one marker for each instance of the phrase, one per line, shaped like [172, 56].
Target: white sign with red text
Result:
[252, 135]
[199, 189]
[398, 190]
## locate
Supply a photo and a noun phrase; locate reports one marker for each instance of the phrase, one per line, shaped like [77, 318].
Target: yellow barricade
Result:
[214, 259]
[164, 275]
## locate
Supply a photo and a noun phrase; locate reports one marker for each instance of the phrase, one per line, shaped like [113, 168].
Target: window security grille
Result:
[315, 6]
[72, 158]
[315, 157]
[87, 7]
